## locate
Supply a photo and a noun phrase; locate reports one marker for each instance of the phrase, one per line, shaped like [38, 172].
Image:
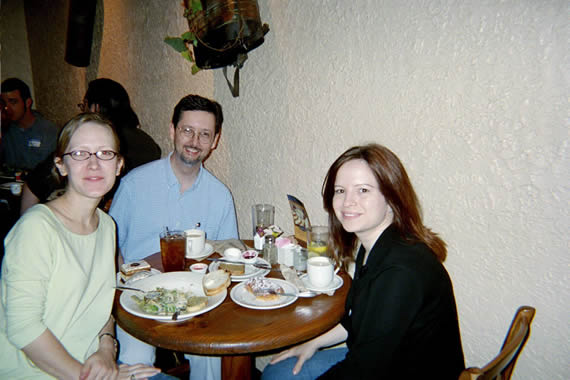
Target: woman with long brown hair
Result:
[400, 317]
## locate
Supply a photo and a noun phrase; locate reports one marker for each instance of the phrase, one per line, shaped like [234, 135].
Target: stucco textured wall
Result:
[472, 96]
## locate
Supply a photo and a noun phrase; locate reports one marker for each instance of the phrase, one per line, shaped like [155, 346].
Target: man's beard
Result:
[186, 161]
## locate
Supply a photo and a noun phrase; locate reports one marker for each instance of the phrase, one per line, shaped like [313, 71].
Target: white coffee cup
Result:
[320, 270]
[16, 188]
[195, 242]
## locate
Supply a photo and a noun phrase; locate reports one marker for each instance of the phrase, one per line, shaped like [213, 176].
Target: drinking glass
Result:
[317, 240]
[263, 216]
[172, 250]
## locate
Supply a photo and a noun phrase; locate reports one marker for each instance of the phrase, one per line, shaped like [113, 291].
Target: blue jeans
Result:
[313, 368]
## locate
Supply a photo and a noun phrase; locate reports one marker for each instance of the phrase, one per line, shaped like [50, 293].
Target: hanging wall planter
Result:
[221, 32]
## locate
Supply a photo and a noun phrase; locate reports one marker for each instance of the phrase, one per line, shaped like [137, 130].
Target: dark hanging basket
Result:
[226, 31]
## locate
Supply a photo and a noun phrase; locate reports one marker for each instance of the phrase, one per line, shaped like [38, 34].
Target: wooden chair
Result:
[501, 367]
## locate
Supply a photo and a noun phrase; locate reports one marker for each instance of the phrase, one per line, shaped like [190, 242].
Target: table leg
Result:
[237, 367]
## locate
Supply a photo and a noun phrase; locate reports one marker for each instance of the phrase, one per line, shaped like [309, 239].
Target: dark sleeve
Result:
[41, 181]
[382, 313]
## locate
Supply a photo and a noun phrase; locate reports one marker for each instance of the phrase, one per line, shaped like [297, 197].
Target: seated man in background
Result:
[179, 193]
[110, 99]
[29, 138]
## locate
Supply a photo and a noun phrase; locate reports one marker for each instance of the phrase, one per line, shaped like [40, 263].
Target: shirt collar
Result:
[171, 179]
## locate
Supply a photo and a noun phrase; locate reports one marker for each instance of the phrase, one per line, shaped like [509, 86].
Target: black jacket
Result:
[400, 316]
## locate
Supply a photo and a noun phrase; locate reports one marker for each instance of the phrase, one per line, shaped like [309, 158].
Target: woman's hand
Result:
[303, 352]
[136, 371]
[101, 365]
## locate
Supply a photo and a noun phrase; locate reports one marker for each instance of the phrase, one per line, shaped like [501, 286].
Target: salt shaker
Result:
[270, 250]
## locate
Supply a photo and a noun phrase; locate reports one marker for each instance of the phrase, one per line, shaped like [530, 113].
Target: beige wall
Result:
[472, 95]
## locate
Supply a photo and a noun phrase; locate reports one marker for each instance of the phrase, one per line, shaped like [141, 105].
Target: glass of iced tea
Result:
[172, 250]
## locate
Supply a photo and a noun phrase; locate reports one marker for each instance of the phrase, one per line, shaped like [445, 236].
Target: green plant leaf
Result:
[177, 43]
[195, 69]
[188, 36]
[186, 55]
[196, 5]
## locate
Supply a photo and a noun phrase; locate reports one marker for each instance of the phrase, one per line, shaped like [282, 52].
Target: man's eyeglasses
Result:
[82, 155]
[204, 137]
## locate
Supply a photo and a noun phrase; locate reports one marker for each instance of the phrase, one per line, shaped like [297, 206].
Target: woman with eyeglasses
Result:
[58, 273]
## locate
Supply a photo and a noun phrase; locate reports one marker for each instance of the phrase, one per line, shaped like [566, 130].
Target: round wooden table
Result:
[235, 332]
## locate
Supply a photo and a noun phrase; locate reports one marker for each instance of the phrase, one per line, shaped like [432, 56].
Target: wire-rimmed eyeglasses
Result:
[83, 155]
[204, 137]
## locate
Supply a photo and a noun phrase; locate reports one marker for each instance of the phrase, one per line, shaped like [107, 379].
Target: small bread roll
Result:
[215, 282]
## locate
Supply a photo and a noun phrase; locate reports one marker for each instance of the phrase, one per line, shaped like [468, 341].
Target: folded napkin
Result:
[221, 245]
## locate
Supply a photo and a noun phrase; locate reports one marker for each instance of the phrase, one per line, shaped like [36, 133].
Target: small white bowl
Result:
[249, 256]
[199, 268]
[232, 254]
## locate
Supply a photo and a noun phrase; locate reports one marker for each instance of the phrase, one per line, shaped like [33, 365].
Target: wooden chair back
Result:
[501, 367]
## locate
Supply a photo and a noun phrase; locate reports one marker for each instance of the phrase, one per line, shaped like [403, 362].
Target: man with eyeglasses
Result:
[179, 193]
[29, 138]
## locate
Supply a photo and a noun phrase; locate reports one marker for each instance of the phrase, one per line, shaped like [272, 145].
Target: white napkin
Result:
[221, 245]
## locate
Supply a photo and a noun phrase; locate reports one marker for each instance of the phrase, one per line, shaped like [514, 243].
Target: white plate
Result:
[207, 251]
[250, 270]
[8, 185]
[120, 281]
[334, 285]
[185, 281]
[242, 297]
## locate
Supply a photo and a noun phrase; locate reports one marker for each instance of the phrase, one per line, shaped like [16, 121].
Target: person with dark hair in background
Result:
[29, 138]
[110, 99]
[400, 318]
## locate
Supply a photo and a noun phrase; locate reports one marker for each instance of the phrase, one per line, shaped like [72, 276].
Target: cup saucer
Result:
[207, 251]
[336, 283]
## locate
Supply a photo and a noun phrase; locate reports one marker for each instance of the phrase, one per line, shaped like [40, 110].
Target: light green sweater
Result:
[54, 279]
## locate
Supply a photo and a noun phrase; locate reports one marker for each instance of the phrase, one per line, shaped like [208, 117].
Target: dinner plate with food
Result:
[185, 293]
[264, 293]
[241, 271]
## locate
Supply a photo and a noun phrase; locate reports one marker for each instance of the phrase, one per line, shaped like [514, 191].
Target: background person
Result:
[57, 288]
[401, 319]
[29, 138]
[179, 193]
[110, 99]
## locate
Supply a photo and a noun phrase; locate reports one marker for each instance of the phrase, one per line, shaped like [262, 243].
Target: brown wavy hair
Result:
[396, 187]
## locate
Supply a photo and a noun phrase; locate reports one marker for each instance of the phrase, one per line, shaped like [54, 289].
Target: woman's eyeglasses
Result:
[82, 155]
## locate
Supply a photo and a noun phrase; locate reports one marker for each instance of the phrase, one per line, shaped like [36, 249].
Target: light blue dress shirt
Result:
[148, 200]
